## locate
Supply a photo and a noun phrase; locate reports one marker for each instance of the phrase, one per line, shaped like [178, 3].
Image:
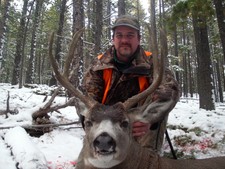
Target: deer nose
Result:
[104, 144]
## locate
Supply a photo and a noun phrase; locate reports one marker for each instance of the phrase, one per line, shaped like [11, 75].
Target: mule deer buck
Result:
[109, 142]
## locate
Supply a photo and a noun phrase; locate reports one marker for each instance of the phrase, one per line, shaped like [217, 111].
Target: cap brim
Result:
[123, 24]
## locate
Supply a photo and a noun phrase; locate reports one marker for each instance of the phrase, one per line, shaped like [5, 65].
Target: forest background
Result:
[195, 32]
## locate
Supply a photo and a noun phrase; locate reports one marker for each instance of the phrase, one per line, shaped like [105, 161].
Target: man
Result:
[115, 76]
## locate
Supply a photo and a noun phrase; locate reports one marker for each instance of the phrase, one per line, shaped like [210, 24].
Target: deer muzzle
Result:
[104, 144]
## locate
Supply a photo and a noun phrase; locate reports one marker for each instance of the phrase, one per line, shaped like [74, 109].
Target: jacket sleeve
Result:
[94, 84]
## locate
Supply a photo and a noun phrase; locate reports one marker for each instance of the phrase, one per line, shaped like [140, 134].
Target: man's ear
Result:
[113, 40]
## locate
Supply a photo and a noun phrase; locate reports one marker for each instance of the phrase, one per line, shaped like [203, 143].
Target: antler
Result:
[63, 77]
[158, 71]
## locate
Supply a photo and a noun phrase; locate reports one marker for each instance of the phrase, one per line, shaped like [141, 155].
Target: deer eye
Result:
[124, 124]
[88, 124]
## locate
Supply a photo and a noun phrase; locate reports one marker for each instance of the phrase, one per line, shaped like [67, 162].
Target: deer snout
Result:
[104, 144]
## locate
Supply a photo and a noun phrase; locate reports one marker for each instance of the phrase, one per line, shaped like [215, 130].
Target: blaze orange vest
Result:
[107, 76]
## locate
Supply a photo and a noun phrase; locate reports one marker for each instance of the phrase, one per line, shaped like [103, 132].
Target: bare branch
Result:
[5, 112]
[42, 112]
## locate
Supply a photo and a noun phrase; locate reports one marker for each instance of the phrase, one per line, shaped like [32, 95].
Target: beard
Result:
[125, 50]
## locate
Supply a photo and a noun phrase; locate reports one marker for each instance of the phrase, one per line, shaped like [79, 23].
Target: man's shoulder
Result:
[144, 57]
[103, 61]
[100, 56]
[106, 55]
[147, 53]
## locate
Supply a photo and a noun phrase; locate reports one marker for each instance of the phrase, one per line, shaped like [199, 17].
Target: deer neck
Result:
[139, 158]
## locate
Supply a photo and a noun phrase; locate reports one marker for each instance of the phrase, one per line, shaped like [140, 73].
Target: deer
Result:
[108, 142]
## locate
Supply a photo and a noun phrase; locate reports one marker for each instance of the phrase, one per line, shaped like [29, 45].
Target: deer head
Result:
[108, 133]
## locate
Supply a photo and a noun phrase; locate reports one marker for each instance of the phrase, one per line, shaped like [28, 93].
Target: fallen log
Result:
[40, 129]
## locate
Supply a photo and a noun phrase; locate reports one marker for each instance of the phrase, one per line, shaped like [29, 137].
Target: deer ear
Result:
[81, 108]
[156, 111]
[84, 111]
[135, 114]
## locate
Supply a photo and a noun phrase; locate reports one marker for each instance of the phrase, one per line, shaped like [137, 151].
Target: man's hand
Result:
[140, 128]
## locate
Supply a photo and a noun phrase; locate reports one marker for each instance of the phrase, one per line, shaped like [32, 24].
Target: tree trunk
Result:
[204, 69]
[4, 13]
[88, 35]
[21, 74]
[220, 12]
[58, 48]
[185, 77]
[121, 7]
[78, 23]
[19, 45]
[162, 15]
[175, 47]
[30, 76]
[99, 23]
[189, 73]
[153, 32]
[109, 18]
[220, 89]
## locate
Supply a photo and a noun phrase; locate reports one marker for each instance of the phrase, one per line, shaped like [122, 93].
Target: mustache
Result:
[125, 44]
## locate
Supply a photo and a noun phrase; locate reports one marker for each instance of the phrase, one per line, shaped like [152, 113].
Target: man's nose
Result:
[125, 38]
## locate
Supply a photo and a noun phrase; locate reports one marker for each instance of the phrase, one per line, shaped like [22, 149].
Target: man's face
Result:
[126, 40]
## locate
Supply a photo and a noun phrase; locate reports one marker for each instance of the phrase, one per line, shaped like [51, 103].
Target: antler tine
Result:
[63, 78]
[158, 71]
[71, 52]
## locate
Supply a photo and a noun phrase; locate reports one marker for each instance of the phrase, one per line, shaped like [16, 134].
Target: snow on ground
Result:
[195, 133]
[24, 150]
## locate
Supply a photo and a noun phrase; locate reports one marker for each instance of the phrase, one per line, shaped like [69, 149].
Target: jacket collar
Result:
[107, 60]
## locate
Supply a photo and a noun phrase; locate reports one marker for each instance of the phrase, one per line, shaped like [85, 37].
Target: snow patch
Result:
[25, 152]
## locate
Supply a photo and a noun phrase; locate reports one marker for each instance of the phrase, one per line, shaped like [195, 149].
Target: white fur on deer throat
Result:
[103, 161]
[106, 161]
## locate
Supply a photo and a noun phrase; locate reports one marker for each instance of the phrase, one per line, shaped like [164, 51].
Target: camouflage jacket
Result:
[124, 83]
